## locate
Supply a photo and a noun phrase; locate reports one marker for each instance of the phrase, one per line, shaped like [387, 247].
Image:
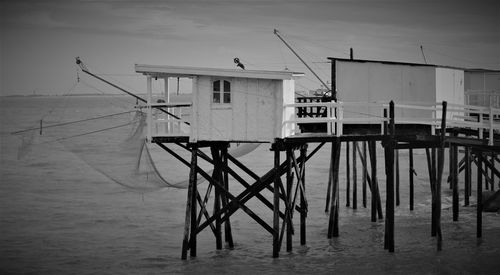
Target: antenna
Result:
[422, 50]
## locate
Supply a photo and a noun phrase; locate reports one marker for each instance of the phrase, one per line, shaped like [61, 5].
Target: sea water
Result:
[60, 215]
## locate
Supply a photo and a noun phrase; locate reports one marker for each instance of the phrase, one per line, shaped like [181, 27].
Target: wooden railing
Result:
[168, 124]
[482, 119]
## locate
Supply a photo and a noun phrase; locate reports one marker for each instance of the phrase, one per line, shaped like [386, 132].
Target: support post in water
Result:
[333, 226]
[303, 203]
[411, 172]
[467, 175]
[276, 203]
[186, 243]
[348, 175]
[354, 177]
[389, 171]
[479, 207]
[454, 179]
[289, 183]
[365, 174]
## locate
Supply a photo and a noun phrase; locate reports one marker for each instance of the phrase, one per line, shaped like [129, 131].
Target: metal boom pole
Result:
[276, 32]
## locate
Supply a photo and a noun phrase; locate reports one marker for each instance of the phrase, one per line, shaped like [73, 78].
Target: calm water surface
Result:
[59, 215]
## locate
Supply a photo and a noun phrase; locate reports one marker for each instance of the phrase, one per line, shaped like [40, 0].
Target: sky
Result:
[41, 38]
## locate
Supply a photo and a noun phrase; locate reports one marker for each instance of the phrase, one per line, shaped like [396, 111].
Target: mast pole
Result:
[276, 32]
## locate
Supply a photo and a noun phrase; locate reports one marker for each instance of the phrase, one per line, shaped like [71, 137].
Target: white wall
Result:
[288, 97]
[251, 116]
[384, 82]
[450, 85]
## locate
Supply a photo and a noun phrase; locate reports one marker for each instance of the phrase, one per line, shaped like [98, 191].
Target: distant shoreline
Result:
[54, 95]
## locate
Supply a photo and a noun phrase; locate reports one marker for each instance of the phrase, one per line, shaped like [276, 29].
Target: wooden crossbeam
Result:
[235, 202]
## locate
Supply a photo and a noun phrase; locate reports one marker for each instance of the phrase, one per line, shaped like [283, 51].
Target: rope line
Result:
[72, 122]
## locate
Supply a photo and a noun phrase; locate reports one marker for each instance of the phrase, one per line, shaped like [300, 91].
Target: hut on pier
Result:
[224, 104]
[382, 81]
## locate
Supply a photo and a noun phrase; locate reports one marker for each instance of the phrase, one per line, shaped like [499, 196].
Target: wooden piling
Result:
[375, 197]
[303, 201]
[289, 183]
[440, 169]
[365, 174]
[411, 173]
[455, 200]
[276, 203]
[217, 175]
[333, 230]
[396, 158]
[479, 207]
[370, 182]
[467, 176]
[228, 235]
[193, 184]
[389, 171]
[354, 177]
[186, 244]
[348, 175]
[431, 166]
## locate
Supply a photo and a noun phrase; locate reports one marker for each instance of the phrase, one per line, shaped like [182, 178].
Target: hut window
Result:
[221, 94]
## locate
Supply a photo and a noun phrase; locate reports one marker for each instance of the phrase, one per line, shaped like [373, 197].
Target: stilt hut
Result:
[404, 83]
[226, 104]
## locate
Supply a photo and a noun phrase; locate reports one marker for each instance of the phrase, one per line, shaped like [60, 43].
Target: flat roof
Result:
[183, 71]
[392, 63]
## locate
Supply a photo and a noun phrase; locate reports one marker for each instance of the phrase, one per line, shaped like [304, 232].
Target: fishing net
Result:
[108, 133]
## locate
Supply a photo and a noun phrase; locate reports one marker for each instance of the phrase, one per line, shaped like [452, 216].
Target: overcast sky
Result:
[39, 39]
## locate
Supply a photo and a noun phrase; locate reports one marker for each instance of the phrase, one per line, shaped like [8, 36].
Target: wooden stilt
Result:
[467, 176]
[276, 203]
[227, 224]
[365, 174]
[479, 207]
[354, 177]
[372, 187]
[303, 201]
[348, 175]
[370, 181]
[411, 173]
[440, 168]
[333, 230]
[493, 171]
[396, 158]
[187, 223]
[217, 175]
[389, 171]
[376, 204]
[329, 188]
[193, 185]
[289, 183]
[454, 182]
[432, 175]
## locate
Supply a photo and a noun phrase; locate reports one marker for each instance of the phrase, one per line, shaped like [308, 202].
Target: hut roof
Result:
[182, 71]
[392, 63]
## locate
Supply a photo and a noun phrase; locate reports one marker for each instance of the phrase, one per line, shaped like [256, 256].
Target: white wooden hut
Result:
[382, 81]
[225, 104]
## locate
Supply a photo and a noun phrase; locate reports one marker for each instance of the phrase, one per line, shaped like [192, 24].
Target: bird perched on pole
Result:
[238, 63]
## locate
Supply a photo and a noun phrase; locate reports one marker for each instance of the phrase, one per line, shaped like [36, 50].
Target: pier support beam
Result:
[411, 172]
[354, 177]
[389, 172]
[333, 224]
[276, 204]
[303, 200]
[189, 241]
